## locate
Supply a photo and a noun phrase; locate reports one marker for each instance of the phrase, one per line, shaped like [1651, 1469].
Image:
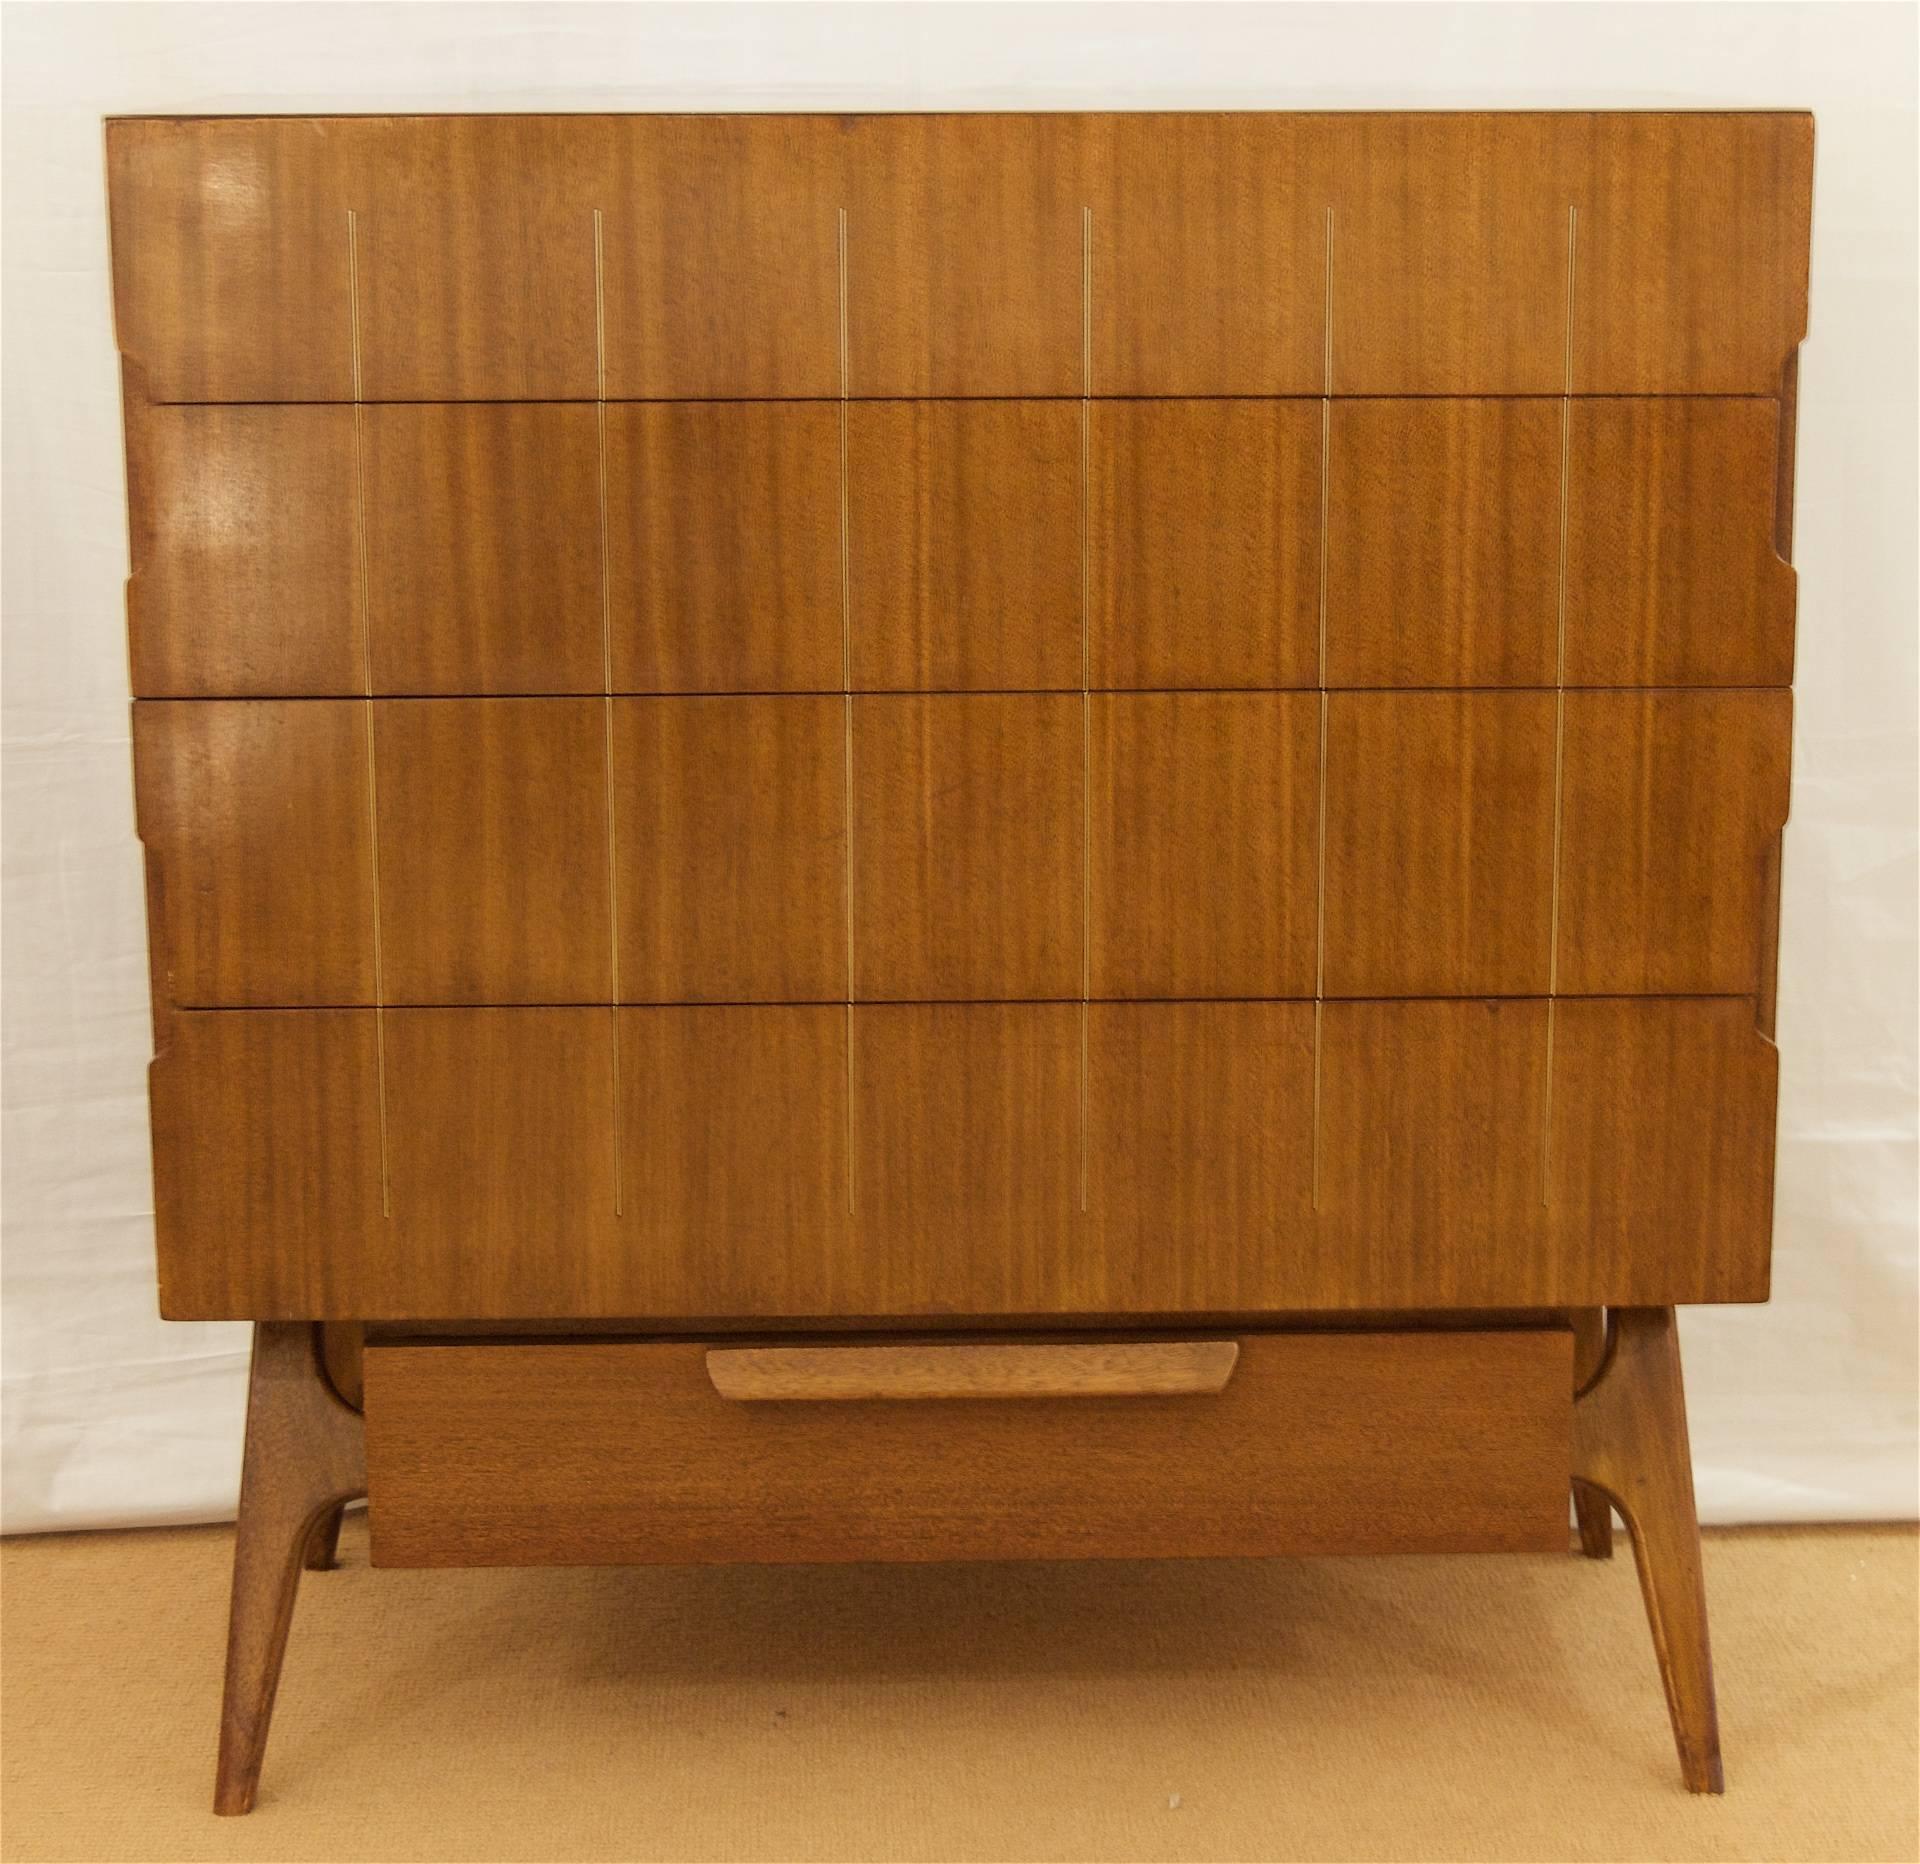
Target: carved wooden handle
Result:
[1131, 1369]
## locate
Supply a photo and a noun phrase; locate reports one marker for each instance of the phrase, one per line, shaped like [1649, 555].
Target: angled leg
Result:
[1592, 1511]
[1630, 1444]
[305, 1457]
[323, 1550]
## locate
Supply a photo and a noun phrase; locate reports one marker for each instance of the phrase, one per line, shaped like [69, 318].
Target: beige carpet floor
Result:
[1315, 1709]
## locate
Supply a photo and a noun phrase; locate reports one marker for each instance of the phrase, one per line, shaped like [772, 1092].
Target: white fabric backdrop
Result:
[1803, 1410]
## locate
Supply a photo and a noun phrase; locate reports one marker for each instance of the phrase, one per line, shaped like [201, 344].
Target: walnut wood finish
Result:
[474, 275]
[961, 517]
[723, 548]
[849, 1374]
[258, 827]
[1674, 576]
[1443, 543]
[966, 235]
[482, 549]
[1673, 803]
[305, 1459]
[596, 1453]
[730, 823]
[1445, 1173]
[1630, 1446]
[719, 254]
[1202, 876]
[1439, 844]
[245, 551]
[1593, 1512]
[1204, 519]
[968, 874]
[987, 721]
[494, 883]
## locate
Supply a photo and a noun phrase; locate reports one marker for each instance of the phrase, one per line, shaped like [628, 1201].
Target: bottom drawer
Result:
[605, 1453]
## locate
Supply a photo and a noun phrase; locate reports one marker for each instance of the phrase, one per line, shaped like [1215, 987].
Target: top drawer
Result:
[574, 258]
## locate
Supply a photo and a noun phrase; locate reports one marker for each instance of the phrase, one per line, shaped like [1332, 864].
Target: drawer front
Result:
[745, 1169]
[452, 550]
[658, 258]
[613, 1453]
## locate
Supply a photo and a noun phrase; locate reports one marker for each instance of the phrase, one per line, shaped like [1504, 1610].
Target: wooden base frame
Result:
[306, 1459]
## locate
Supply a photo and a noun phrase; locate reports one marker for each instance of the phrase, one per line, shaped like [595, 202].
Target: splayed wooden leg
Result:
[1591, 1510]
[305, 1458]
[323, 1550]
[1630, 1444]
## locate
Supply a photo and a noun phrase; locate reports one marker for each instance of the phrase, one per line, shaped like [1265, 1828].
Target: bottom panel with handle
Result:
[610, 1452]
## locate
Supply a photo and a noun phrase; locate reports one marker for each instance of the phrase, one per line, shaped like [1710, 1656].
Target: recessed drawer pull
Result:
[1134, 1369]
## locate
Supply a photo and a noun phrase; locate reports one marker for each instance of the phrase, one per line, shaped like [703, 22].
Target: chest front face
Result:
[906, 717]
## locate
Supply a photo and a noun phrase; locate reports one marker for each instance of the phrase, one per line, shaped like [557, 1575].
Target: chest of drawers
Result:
[916, 837]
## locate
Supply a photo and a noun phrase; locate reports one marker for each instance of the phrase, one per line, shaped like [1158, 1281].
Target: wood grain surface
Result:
[963, 544]
[1692, 276]
[967, 870]
[1674, 805]
[1204, 815]
[1445, 1178]
[734, 1160]
[971, 1369]
[482, 549]
[730, 817]
[1200, 1150]
[966, 1158]
[1450, 255]
[475, 273]
[1443, 542]
[1204, 548]
[232, 279]
[258, 832]
[245, 553]
[1209, 242]
[965, 255]
[625, 1453]
[1439, 862]
[1054, 714]
[972, 245]
[1673, 576]
[723, 547]
[493, 851]
[721, 256]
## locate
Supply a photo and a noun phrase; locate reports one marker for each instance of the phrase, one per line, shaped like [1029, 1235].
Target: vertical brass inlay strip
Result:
[846, 689]
[1086, 697]
[366, 677]
[1320, 852]
[1559, 715]
[606, 676]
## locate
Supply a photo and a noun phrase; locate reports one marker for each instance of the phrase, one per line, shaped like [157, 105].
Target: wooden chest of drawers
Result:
[1146, 729]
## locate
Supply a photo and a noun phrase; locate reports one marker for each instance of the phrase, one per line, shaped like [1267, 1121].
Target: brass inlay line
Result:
[606, 674]
[1320, 852]
[846, 686]
[1559, 714]
[1326, 316]
[1086, 701]
[366, 676]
